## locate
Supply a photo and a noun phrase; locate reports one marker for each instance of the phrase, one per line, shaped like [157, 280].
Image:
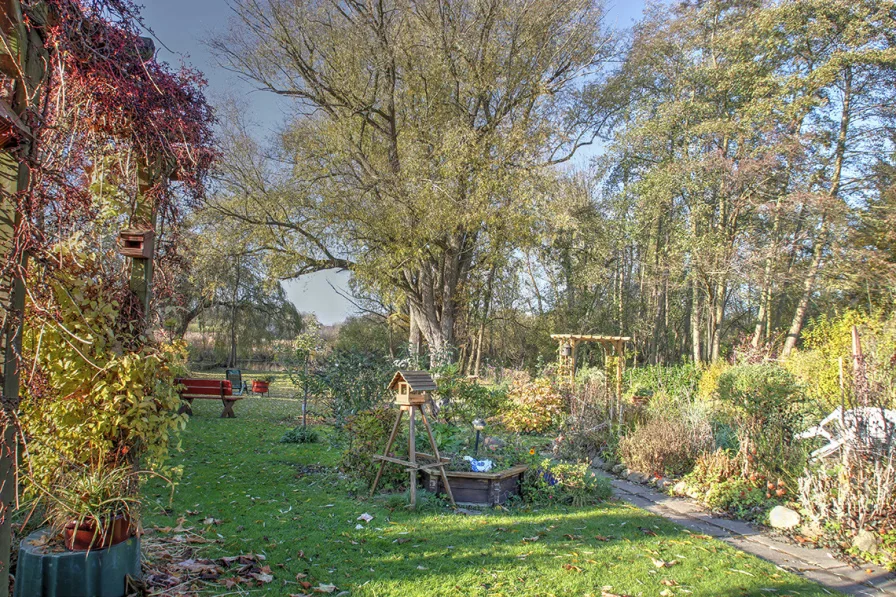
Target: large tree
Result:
[423, 135]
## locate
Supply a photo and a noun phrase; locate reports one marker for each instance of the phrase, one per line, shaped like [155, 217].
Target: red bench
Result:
[207, 389]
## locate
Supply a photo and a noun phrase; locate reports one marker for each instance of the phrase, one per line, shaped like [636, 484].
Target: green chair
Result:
[235, 377]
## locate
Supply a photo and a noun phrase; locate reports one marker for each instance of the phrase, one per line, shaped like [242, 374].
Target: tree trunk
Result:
[763, 329]
[802, 307]
[697, 352]
[415, 336]
[821, 241]
[718, 315]
[231, 359]
[485, 312]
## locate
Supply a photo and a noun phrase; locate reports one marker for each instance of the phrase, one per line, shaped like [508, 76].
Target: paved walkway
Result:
[815, 564]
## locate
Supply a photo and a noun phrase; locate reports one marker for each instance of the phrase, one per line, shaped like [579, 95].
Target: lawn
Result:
[249, 494]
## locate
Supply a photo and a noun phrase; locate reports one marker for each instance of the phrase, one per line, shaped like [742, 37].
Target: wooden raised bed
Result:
[481, 489]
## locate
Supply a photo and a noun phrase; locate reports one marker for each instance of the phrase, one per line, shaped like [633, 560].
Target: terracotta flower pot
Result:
[259, 387]
[86, 535]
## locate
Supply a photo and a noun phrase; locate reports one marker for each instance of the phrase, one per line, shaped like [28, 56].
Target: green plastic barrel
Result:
[95, 573]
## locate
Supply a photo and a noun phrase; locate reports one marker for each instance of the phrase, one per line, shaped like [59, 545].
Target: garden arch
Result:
[569, 346]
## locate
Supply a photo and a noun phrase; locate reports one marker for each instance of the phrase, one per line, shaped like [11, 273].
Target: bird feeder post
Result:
[412, 456]
[411, 389]
[138, 242]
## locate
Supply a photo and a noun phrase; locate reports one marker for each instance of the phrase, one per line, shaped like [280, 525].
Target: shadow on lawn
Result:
[599, 542]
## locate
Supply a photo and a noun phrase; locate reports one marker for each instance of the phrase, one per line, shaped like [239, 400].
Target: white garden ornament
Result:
[858, 428]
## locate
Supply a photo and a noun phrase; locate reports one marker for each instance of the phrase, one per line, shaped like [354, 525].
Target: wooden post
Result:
[435, 451]
[144, 217]
[22, 59]
[412, 457]
[619, 346]
[392, 435]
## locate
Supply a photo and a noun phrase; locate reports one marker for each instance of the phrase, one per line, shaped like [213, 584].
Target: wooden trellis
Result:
[568, 352]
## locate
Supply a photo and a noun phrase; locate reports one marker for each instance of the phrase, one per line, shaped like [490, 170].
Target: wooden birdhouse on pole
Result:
[412, 387]
[411, 390]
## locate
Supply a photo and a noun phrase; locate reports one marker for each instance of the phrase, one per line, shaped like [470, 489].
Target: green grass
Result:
[287, 502]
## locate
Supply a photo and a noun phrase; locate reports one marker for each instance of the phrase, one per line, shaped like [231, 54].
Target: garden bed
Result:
[480, 489]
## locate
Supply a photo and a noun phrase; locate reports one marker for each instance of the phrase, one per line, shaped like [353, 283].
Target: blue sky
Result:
[180, 25]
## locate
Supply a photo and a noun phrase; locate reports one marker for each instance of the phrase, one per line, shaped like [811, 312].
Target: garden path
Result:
[818, 565]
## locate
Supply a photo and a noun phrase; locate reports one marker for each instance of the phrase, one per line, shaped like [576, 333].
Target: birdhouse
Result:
[136, 243]
[411, 387]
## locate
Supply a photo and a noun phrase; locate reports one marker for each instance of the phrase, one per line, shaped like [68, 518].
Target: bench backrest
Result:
[206, 387]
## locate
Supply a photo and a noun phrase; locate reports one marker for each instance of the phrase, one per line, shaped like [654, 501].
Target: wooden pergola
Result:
[569, 346]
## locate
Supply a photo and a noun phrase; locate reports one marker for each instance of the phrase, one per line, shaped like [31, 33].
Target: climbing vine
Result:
[110, 137]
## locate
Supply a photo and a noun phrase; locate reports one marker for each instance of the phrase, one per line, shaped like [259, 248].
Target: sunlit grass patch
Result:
[289, 503]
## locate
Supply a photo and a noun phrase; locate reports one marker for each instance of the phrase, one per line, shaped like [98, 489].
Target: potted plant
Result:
[94, 508]
[261, 385]
[91, 543]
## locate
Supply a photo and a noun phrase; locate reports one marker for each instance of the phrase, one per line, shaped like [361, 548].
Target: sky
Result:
[180, 26]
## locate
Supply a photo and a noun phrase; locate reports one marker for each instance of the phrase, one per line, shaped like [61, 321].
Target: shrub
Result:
[711, 468]
[587, 429]
[449, 438]
[716, 478]
[665, 446]
[366, 434]
[533, 407]
[708, 388]
[739, 497]
[563, 483]
[768, 408]
[98, 394]
[299, 435]
[827, 339]
[465, 399]
[353, 382]
[678, 381]
[858, 493]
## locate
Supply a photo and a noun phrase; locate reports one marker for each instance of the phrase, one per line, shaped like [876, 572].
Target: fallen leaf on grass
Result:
[668, 583]
[242, 560]
[210, 520]
[530, 539]
[322, 588]
[571, 568]
[262, 577]
[601, 538]
[365, 517]
[197, 565]
[663, 563]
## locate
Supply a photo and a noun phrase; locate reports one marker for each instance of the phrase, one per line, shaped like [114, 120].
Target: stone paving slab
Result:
[818, 565]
